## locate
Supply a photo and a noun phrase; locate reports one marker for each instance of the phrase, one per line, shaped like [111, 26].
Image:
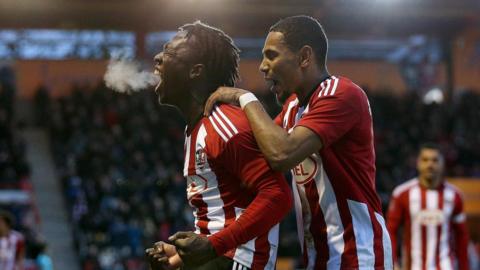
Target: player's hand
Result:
[194, 249]
[223, 94]
[163, 256]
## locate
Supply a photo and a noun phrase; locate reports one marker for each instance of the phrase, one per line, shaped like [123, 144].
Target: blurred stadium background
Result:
[96, 175]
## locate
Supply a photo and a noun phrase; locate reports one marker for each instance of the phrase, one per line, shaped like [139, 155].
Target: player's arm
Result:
[281, 149]
[272, 202]
[460, 234]
[395, 216]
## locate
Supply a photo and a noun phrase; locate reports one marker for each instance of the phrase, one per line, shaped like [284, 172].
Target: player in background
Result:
[324, 135]
[238, 199]
[12, 244]
[431, 214]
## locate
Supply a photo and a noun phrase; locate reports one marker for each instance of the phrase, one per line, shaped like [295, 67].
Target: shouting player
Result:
[238, 199]
[431, 212]
[324, 134]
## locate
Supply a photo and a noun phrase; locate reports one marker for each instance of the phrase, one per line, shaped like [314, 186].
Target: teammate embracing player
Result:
[324, 134]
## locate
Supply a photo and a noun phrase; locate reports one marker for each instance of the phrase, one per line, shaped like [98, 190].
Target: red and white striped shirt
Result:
[429, 217]
[11, 246]
[339, 218]
[238, 199]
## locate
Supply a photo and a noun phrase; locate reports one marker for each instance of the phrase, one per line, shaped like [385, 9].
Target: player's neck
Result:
[193, 116]
[429, 183]
[193, 111]
[310, 84]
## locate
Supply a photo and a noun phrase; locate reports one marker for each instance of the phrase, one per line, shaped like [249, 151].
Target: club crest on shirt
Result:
[305, 171]
[200, 158]
[430, 217]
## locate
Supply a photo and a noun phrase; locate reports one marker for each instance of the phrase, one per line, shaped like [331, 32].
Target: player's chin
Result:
[281, 97]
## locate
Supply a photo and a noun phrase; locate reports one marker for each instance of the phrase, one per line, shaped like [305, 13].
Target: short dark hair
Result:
[216, 51]
[431, 146]
[7, 217]
[302, 30]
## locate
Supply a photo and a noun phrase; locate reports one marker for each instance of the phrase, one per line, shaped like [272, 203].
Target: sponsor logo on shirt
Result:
[195, 184]
[430, 217]
[305, 171]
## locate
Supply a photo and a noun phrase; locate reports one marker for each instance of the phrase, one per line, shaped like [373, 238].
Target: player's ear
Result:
[197, 71]
[306, 56]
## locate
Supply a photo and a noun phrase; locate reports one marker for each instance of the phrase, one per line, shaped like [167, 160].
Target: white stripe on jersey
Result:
[219, 121]
[273, 240]
[334, 85]
[244, 253]
[387, 247]
[322, 85]
[431, 204]
[298, 213]
[292, 104]
[234, 129]
[211, 196]
[363, 230]
[328, 204]
[304, 219]
[415, 206]
[444, 252]
[237, 266]
[217, 129]
[187, 155]
[329, 82]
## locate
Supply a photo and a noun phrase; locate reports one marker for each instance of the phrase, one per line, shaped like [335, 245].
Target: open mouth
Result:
[159, 74]
[272, 84]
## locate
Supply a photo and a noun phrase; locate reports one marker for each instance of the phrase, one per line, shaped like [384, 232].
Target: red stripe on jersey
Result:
[349, 256]
[261, 260]
[423, 206]
[317, 226]
[377, 239]
[201, 211]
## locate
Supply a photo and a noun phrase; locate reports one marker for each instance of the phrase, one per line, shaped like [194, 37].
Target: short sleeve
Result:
[331, 117]
[243, 157]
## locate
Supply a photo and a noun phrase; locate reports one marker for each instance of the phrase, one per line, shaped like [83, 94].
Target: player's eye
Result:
[270, 55]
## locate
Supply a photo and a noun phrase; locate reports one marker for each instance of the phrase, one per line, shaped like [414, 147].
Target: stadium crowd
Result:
[17, 200]
[120, 158]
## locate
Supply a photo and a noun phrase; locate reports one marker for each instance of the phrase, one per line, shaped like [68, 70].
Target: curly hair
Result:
[216, 51]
